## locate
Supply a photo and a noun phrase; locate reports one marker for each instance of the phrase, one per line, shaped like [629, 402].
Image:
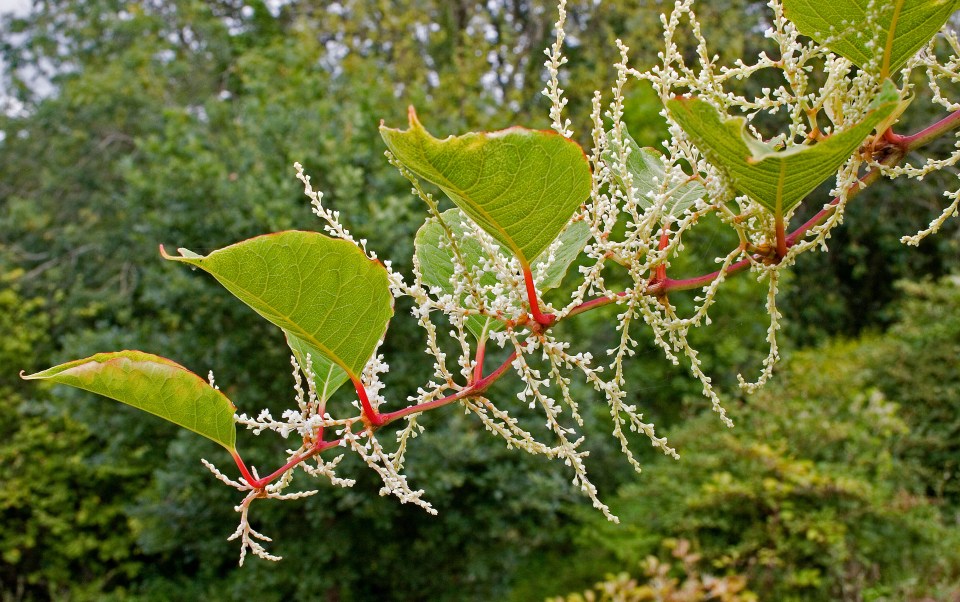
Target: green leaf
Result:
[325, 292]
[153, 384]
[436, 259]
[521, 186]
[572, 241]
[778, 180]
[328, 376]
[880, 42]
[647, 175]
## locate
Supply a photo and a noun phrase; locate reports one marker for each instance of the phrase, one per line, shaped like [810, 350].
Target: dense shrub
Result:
[832, 484]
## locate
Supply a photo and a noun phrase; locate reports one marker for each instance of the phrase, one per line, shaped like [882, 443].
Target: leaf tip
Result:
[412, 117]
[889, 93]
[414, 126]
[185, 255]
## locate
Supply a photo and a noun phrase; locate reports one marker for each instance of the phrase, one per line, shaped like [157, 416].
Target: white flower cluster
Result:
[938, 72]
[556, 60]
[653, 235]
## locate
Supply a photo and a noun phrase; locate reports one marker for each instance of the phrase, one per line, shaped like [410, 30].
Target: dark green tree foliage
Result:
[853, 288]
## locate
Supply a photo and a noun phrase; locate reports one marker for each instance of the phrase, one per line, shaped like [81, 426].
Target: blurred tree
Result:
[917, 367]
[662, 582]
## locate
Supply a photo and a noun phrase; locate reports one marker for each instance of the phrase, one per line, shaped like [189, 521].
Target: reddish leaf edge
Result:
[413, 122]
[132, 355]
[180, 259]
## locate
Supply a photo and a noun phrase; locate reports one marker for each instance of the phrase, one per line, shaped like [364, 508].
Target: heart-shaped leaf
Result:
[647, 176]
[153, 384]
[436, 259]
[521, 186]
[879, 41]
[323, 291]
[778, 180]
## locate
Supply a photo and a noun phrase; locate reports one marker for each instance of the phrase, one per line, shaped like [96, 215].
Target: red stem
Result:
[477, 387]
[867, 179]
[930, 133]
[893, 138]
[594, 303]
[370, 415]
[381, 420]
[541, 318]
[686, 284]
[478, 362]
[243, 469]
[318, 447]
[661, 271]
[781, 238]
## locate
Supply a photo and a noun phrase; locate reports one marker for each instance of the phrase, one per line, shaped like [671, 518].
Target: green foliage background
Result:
[178, 123]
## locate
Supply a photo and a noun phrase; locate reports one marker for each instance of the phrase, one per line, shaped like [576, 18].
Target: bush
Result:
[917, 367]
[828, 488]
[663, 583]
[63, 509]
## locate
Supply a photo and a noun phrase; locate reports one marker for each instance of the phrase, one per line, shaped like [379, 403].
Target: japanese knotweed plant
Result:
[527, 205]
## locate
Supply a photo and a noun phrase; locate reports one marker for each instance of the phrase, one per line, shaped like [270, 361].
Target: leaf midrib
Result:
[306, 335]
[891, 34]
[463, 194]
[781, 178]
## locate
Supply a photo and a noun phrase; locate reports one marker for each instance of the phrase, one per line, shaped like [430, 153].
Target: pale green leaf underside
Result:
[153, 384]
[899, 28]
[572, 241]
[647, 176]
[521, 186]
[778, 180]
[328, 376]
[323, 291]
[436, 259]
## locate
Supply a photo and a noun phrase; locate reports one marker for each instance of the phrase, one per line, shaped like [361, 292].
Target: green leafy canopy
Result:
[864, 31]
[778, 180]
[330, 299]
[521, 186]
[152, 384]
[436, 259]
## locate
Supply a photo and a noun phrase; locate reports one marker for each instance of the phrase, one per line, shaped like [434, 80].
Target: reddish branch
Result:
[543, 320]
[476, 388]
[478, 362]
[926, 135]
[371, 417]
[894, 145]
[318, 447]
